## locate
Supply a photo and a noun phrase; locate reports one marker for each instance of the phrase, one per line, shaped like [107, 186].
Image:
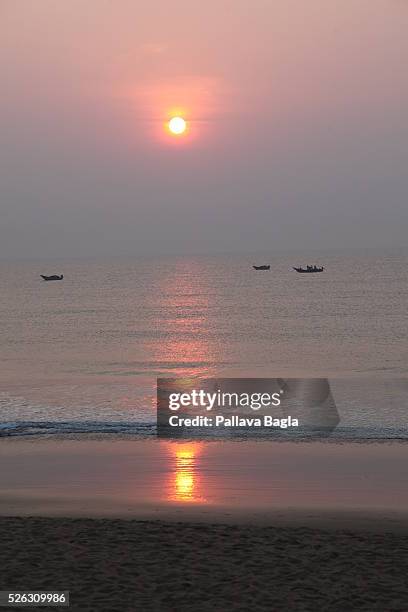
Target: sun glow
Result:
[185, 484]
[177, 126]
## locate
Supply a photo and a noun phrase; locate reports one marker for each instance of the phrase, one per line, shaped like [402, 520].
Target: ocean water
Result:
[83, 355]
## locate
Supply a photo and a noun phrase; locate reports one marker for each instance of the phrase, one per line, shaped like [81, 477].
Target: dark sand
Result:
[128, 565]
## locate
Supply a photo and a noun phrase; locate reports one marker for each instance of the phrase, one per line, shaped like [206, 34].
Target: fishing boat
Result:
[261, 267]
[53, 277]
[309, 269]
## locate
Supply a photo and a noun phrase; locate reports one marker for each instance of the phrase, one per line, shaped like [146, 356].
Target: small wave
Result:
[40, 428]
[149, 430]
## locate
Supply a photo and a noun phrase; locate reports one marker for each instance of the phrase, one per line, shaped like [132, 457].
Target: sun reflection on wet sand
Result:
[185, 482]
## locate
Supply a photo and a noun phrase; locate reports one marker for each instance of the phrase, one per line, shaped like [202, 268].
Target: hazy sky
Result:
[298, 125]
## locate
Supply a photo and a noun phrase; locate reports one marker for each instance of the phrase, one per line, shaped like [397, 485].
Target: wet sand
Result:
[142, 525]
[199, 481]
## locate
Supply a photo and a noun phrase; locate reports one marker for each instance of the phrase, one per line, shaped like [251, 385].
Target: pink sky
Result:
[295, 106]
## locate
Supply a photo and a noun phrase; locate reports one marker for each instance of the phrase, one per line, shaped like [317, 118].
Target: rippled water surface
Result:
[89, 349]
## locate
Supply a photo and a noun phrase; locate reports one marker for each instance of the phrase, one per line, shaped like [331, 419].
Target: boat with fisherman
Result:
[309, 269]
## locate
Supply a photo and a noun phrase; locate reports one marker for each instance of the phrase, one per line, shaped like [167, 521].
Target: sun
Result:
[177, 125]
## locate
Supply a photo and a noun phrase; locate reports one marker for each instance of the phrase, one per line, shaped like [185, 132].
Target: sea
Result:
[82, 355]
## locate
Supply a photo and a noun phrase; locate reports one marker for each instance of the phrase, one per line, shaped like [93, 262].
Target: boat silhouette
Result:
[53, 277]
[309, 269]
[261, 267]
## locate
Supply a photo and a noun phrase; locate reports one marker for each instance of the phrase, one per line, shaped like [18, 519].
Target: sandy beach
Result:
[135, 525]
[128, 565]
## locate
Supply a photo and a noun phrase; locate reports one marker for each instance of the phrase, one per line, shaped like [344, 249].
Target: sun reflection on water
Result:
[185, 481]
